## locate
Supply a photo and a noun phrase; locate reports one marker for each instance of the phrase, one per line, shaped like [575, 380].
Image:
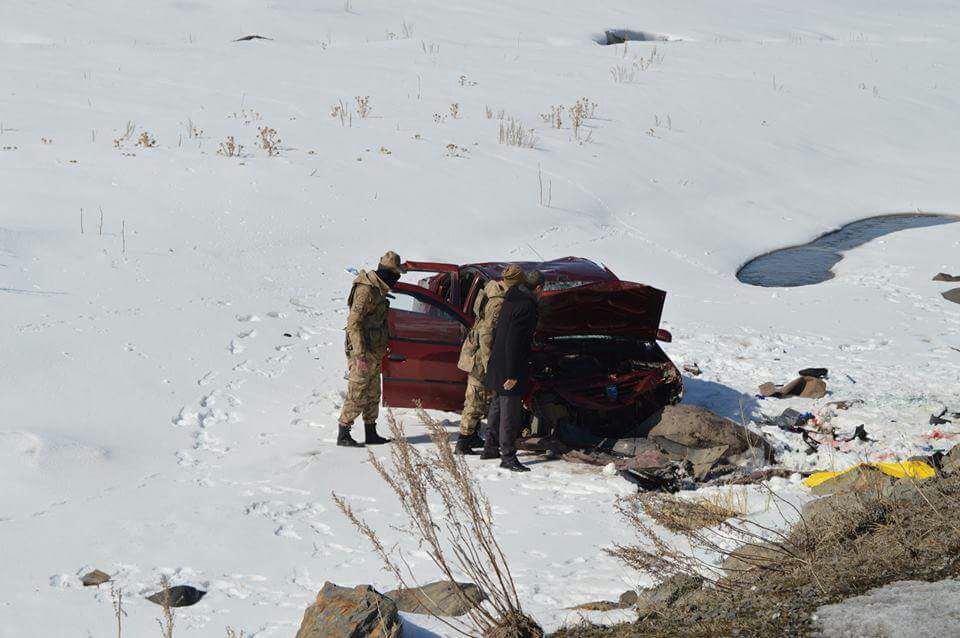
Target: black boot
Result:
[490, 453]
[370, 435]
[513, 464]
[344, 439]
[466, 443]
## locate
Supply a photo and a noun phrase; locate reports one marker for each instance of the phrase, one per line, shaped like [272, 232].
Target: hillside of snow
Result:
[171, 316]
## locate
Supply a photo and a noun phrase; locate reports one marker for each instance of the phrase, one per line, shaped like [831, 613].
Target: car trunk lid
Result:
[609, 308]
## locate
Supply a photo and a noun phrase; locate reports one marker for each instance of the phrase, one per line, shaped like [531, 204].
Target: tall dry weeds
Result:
[709, 529]
[457, 533]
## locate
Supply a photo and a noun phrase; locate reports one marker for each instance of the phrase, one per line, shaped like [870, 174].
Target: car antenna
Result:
[535, 251]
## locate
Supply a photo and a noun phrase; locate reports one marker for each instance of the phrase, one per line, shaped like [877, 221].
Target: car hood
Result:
[609, 308]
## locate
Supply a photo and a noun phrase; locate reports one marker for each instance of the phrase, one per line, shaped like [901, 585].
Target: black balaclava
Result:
[389, 277]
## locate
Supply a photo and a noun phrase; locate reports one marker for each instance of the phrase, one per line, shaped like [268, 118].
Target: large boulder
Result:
[342, 612]
[438, 599]
[950, 463]
[862, 478]
[697, 427]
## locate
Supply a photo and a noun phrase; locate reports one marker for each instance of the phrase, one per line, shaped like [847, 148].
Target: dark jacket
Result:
[512, 339]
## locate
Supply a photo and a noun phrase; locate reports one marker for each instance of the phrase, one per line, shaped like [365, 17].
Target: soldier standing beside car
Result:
[366, 343]
[475, 354]
[508, 371]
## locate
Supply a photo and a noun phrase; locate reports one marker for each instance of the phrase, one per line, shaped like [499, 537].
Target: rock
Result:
[950, 463]
[942, 276]
[818, 373]
[667, 593]
[96, 577]
[179, 596]
[341, 612]
[860, 479]
[952, 295]
[599, 605]
[804, 387]
[438, 599]
[628, 599]
[697, 427]
[748, 557]
[692, 369]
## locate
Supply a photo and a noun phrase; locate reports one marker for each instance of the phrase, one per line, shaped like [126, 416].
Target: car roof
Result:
[563, 269]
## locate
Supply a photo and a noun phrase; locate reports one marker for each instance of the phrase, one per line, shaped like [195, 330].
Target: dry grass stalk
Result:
[455, 110]
[116, 596]
[582, 110]
[707, 528]
[126, 135]
[457, 534]
[166, 623]
[553, 117]
[230, 148]
[514, 133]
[146, 140]
[232, 633]
[269, 141]
[341, 112]
[488, 112]
[363, 106]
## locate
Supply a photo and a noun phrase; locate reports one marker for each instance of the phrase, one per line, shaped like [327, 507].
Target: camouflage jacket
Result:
[367, 321]
[475, 352]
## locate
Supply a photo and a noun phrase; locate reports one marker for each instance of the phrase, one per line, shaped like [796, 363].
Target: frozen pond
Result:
[811, 263]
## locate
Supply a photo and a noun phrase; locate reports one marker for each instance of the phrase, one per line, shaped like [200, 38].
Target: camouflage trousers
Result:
[476, 403]
[363, 393]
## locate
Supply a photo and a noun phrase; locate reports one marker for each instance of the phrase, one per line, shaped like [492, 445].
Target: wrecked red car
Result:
[596, 362]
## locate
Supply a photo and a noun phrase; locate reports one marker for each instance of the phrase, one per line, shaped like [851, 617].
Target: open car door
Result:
[425, 336]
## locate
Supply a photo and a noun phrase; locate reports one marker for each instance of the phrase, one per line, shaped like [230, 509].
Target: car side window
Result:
[419, 318]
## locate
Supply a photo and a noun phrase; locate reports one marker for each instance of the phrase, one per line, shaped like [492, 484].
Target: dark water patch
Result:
[812, 263]
[619, 36]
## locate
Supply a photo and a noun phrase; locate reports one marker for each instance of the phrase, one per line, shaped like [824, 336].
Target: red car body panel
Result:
[582, 299]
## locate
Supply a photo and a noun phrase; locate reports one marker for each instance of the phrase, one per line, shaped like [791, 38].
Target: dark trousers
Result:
[504, 424]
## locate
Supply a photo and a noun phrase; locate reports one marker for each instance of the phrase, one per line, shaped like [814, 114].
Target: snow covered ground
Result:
[155, 418]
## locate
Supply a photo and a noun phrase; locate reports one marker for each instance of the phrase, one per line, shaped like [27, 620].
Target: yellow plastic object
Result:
[900, 469]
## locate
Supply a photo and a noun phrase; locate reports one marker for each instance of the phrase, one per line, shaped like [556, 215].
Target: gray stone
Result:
[942, 276]
[860, 479]
[667, 593]
[438, 599]
[177, 596]
[697, 427]
[96, 577]
[952, 295]
[342, 612]
[950, 463]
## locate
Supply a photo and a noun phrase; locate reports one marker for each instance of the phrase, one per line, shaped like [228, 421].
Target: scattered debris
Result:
[859, 434]
[942, 276]
[845, 404]
[441, 598]
[178, 596]
[254, 36]
[937, 419]
[692, 368]
[804, 387]
[341, 612]
[94, 578]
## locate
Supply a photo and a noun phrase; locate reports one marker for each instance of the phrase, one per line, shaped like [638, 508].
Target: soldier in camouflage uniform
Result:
[475, 354]
[366, 343]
